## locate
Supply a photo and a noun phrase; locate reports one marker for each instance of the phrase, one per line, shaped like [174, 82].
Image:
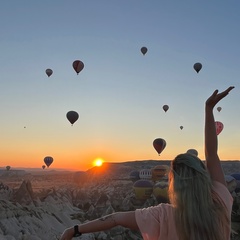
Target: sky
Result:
[120, 93]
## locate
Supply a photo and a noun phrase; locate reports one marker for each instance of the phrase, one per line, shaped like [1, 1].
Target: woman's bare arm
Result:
[124, 219]
[211, 143]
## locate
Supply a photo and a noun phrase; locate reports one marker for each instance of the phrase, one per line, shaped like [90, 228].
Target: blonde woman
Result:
[201, 204]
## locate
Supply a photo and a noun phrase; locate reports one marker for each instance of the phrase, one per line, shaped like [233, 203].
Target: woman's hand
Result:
[67, 234]
[216, 97]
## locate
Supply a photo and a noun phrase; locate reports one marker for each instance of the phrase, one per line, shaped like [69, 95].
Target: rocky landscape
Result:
[39, 205]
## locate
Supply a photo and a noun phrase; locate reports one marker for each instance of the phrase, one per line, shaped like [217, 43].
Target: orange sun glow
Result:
[98, 162]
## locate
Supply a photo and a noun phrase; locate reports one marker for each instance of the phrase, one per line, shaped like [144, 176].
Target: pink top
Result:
[157, 222]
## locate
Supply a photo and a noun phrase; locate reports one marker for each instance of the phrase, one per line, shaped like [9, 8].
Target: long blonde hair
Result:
[199, 213]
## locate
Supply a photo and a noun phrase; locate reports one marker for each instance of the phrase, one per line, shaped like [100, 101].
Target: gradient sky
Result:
[120, 93]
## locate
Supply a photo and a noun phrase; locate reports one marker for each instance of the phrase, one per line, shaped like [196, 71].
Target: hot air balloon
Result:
[48, 160]
[197, 67]
[181, 127]
[219, 127]
[72, 116]
[145, 173]
[78, 66]
[134, 175]
[143, 189]
[231, 183]
[49, 72]
[43, 166]
[159, 173]
[8, 168]
[165, 107]
[159, 144]
[160, 191]
[144, 50]
[237, 177]
[193, 152]
[219, 109]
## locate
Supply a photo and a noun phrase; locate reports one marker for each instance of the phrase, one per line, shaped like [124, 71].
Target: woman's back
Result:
[158, 222]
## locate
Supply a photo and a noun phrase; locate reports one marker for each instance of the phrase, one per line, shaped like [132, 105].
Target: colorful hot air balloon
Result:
[78, 66]
[143, 189]
[72, 116]
[144, 50]
[219, 109]
[159, 144]
[197, 67]
[193, 152]
[219, 127]
[165, 107]
[48, 160]
[49, 72]
[160, 191]
[159, 173]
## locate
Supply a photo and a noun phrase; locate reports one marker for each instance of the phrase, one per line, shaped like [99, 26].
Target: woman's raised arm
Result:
[211, 143]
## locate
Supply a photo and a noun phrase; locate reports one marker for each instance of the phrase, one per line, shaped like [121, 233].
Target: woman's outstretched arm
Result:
[124, 219]
[211, 143]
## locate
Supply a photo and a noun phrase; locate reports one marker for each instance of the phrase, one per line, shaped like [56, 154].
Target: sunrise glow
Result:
[98, 162]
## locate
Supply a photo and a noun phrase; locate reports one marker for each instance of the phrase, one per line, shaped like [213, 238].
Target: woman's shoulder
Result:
[219, 187]
[159, 212]
[162, 209]
[222, 191]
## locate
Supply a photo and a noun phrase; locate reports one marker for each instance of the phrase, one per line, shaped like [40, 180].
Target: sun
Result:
[98, 162]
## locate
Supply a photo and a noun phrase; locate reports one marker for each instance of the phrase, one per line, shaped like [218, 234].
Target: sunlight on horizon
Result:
[98, 162]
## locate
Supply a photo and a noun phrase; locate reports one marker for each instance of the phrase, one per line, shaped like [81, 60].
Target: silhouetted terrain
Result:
[40, 204]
